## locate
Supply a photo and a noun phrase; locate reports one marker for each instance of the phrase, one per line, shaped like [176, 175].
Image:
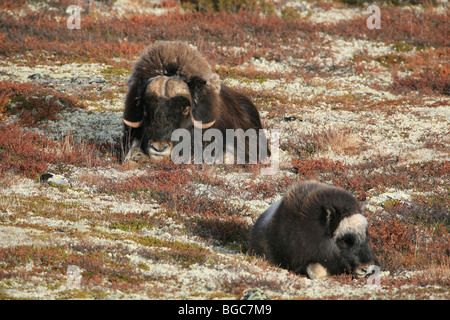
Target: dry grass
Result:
[339, 140]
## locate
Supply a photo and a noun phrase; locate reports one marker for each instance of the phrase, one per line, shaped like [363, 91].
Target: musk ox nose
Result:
[365, 269]
[159, 147]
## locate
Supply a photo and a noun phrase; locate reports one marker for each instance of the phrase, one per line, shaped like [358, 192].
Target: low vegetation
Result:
[366, 110]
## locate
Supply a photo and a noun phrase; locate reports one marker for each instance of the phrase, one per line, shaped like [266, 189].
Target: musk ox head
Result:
[167, 107]
[172, 86]
[317, 230]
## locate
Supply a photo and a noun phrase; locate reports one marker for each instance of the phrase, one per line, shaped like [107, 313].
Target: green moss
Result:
[143, 266]
[402, 46]
[290, 13]
[131, 226]
[390, 203]
[115, 72]
[389, 59]
[149, 241]
[185, 254]
[229, 6]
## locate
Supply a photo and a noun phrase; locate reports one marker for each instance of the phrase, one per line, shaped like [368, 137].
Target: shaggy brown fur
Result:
[169, 58]
[314, 227]
[210, 101]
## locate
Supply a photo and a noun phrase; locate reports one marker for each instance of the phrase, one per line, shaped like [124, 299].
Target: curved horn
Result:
[168, 87]
[177, 87]
[133, 124]
[201, 125]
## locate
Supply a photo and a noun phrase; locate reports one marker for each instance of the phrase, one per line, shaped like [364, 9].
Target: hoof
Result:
[316, 271]
[136, 155]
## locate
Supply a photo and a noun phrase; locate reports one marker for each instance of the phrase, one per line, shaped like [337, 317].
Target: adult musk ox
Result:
[317, 230]
[172, 87]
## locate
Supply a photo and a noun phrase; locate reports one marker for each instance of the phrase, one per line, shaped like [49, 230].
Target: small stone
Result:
[54, 180]
[291, 118]
[98, 80]
[293, 170]
[256, 294]
[35, 76]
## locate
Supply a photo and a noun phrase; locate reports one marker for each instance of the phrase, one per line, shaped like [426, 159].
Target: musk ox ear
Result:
[205, 99]
[196, 86]
[331, 219]
[133, 113]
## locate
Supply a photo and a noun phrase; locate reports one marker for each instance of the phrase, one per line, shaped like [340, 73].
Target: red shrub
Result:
[12, 4]
[416, 27]
[402, 243]
[261, 36]
[374, 173]
[24, 152]
[427, 81]
[170, 186]
[30, 153]
[392, 241]
[32, 103]
[310, 168]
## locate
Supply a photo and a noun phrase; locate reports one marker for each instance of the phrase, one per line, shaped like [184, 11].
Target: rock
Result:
[255, 295]
[98, 80]
[54, 180]
[35, 76]
[291, 118]
[293, 170]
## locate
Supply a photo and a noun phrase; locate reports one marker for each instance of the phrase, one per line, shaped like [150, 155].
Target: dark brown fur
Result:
[299, 230]
[211, 101]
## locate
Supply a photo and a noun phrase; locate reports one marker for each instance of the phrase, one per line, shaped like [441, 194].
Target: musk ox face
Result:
[167, 105]
[317, 230]
[351, 238]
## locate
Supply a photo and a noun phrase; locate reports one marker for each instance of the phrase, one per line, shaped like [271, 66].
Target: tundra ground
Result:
[364, 109]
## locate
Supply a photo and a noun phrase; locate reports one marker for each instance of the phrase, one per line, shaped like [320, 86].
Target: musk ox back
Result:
[172, 87]
[316, 229]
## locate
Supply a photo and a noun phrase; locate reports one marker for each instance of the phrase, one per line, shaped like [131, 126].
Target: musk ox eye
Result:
[346, 241]
[185, 111]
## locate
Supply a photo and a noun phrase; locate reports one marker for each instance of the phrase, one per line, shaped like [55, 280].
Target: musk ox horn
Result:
[168, 87]
[200, 125]
[131, 124]
[177, 87]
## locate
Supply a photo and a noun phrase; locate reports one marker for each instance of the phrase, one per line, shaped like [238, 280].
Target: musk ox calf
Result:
[316, 230]
[172, 87]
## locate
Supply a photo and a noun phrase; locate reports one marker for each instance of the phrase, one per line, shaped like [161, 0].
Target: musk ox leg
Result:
[136, 154]
[132, 141]
[316, 271]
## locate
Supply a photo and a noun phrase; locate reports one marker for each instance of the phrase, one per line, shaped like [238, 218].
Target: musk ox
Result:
[316, 230]
[171, 87]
